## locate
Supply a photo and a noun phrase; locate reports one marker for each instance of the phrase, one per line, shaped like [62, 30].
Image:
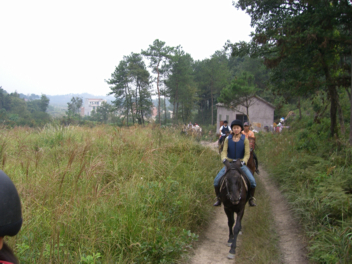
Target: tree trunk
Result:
[212, 104]
[174, 113]
[176, 99]
[342, 123]
[157, 87]
[165, 108]
[299, 108]
[333, 98]
[351, 103]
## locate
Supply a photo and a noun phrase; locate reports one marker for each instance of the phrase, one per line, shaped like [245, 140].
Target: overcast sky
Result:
[62, 47]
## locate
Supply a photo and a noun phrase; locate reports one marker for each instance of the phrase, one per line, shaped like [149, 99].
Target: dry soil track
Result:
[211, 247]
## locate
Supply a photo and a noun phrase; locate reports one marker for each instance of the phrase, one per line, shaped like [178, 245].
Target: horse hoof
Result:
[231, 256]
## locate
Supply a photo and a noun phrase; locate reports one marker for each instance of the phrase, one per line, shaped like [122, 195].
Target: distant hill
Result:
[62, 100]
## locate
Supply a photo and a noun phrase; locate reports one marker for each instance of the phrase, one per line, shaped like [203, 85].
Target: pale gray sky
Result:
[61, 47]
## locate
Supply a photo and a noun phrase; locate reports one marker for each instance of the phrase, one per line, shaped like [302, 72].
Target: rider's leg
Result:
[217, 186]
[251, 179]
[256, 162]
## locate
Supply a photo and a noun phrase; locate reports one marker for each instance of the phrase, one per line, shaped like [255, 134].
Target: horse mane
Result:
[6, 254]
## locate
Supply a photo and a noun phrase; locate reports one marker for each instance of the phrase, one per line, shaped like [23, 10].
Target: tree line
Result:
[193, 87]
[18, 109]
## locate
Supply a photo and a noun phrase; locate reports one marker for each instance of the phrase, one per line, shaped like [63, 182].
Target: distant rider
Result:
[236, 146]
[250, 134]
[224, 130]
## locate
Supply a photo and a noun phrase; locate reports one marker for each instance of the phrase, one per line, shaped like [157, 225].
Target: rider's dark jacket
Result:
[236, 150]
[224, 130]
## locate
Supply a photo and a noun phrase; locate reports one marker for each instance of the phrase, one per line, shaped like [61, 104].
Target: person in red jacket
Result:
[10, 217]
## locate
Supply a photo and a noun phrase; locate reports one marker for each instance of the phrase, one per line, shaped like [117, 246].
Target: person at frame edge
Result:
[248, 133]
[223, 130]
[10, 217]
[236, 146]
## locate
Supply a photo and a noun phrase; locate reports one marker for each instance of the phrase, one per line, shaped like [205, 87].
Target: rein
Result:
[225, 181]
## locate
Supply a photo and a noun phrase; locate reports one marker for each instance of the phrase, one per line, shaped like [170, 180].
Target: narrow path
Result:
[212, 249]
[292, 242]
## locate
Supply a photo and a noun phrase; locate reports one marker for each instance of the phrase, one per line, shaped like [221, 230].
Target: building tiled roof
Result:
[256, 96]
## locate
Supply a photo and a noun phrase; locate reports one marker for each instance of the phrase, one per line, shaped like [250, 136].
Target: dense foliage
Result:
[315, 173]
[16, 110]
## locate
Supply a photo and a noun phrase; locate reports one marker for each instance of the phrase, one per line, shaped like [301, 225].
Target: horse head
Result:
[233, 181]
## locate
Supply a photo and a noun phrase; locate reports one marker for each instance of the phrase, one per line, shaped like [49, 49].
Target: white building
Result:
[260, 113]
[89, 105]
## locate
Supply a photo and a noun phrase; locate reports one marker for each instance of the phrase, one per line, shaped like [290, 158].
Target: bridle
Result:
[225, 181]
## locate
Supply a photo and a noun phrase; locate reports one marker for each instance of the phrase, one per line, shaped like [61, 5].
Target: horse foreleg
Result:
[236, 230]
[230, 222]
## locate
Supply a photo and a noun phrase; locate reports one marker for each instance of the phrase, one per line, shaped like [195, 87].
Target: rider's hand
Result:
[224, 160]
[243, 163]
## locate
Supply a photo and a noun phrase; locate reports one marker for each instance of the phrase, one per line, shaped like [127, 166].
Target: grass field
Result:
[110, 195]
[314, 173]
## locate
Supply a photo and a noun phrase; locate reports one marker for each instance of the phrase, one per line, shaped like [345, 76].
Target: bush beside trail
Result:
[315, 174]
[107, 195]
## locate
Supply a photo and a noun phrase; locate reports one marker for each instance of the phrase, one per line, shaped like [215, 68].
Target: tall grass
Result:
[314, 172]
[107, 195]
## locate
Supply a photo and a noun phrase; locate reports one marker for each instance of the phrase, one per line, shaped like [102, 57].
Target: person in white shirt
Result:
[224, 131]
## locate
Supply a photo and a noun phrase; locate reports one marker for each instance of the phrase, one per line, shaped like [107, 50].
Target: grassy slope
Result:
[314, 172]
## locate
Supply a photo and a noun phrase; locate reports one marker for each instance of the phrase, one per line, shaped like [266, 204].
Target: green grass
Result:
[106, 194]
[315, 174]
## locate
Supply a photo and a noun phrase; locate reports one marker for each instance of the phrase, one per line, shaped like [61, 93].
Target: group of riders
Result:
[236, 146]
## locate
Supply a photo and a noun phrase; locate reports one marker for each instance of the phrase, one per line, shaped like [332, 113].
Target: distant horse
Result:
[234, 196]
[251, 162]
[195, 132]
[221, 145]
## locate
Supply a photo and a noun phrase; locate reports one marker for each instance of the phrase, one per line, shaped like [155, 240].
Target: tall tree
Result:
[130, 84]
[239, 93]
[120, 88]
[140, 78]
[216, 76]
[180, 84]
[158, 54]
[311, 36]
[44, 103]
[74, 106]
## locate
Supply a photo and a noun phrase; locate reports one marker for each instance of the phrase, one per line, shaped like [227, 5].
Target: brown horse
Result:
[251, 162]
[234, 196]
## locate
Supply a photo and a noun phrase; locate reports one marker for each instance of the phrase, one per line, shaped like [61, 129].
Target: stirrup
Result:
[217, 203]
[251, 201]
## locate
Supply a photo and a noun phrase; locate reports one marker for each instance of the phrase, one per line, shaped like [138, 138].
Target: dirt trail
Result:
[212, 247]
[292, 242]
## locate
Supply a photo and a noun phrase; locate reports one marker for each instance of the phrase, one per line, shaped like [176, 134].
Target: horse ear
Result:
[227, 164]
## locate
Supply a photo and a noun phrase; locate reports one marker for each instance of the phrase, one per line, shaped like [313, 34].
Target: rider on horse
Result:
[224, 130]
[250, 134]
[236, 146]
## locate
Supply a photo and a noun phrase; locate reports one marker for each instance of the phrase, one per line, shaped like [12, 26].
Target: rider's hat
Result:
[10, 207]
[237, 122]
[246, 124]
[225, 121]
